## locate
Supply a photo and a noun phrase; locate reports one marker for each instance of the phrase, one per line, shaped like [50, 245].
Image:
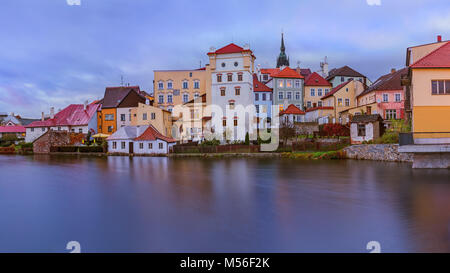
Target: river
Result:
[159, 204]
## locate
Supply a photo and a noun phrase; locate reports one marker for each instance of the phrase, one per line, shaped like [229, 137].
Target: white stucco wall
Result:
[127, 113]
[136, 147]
[354, 133]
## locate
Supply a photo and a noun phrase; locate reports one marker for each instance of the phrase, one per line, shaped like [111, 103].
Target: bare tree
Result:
[287, 130]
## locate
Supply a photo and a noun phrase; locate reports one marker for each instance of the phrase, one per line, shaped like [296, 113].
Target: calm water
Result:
[118, 204]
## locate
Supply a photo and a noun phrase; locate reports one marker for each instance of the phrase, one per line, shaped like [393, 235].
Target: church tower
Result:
[282, 60]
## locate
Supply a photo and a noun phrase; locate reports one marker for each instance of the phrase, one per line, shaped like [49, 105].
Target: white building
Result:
[232, 88]
[139, 140]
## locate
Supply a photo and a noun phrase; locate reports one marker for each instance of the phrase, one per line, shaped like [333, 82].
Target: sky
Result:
[57, 52]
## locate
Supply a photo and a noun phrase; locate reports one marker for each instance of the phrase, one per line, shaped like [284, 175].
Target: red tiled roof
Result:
[259, 86]
[344, 71]
[230, 48]
[152, 134]
[315, 79]
[288, 73]
[305, 72]
[292, 109]
[391, 81]
[440, 57]
[334, 90]
[12, 129]
[72, 115]
[271, 71]
[320, 108]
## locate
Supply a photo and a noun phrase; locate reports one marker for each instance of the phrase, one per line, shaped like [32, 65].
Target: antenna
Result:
[121, 80]
[200, 63]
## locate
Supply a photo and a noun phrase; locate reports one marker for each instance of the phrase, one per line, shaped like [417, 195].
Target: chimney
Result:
[85, 104]
[52, 112]
[439, 38]
[393, 70]
[324, 67]
[42, 116]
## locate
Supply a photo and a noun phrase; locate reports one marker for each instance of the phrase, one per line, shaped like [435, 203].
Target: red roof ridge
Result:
[230, 48]
[446, 61]
[259, 86]
[320, 108]
[314, 79]
[292, 109]
[334, 90]
[152, 134]
[288, 72]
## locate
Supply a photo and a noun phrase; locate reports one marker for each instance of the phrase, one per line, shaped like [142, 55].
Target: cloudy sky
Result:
[54, 54]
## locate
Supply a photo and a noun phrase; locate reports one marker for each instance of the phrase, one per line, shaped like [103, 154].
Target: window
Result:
[342, 79]
[280, 83]
[235, 122]
[264, 96]
[169, 85]
[319, 103]
[256, 96]
[398, 97]
[361, 130]
[169, 98]
[32, 129]
[308, 104]
[265, 77]
[109, 117]
[150, 145]
[327, 90]
[110, 128]
[43, 129]
[161, 99]
[114, 145]
[141, 145]
[347, 102]
[144, 116]
[313, 92]
[185, 97]
[196, 95]
[280, 95]
[385, 97]
[257, 108]
[160, 146]
[229, 77]
[224, 122]
[122, 117]
[319, 92]
[219, 77]
[160, 85]
[236, 64]
[196, 84]
[231, 104]
[339, 102]
[122, 145]
[440, 87]
[240, 77]
[289, 95]
[297, 84]
[289, 83]
[80, 131]
[222, 91]
[391, 114]
[153, 115]
[297, 95]
[223, 64]
[185, 85]
[237, 91]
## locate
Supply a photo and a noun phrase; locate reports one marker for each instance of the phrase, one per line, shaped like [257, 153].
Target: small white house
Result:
[139, 140]
[365, 128]
[292, 114]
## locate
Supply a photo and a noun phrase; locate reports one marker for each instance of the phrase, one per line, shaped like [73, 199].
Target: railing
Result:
[424, 138]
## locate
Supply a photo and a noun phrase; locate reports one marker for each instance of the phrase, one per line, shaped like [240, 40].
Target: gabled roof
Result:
[259, 86]
[292, 110]
[128, 132]
[72, 115]
[230, 48]
[270, 71]
[315, 79]
[114, 95]
[366, 118]
[12, 129]
[344, 71]
[336, 89]
[391, 81]
[288, 73]
[305, 72]
[152, 134]
[439, 57]
[319, 108]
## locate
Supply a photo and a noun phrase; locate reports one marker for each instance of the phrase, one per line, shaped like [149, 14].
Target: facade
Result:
[315, 88]
[288, 88]
[176, 87]
[365, 128]
[75, 118]
[263, 103]
[343, 74]
[116, 107]
[192, 121]
[13, 130]
[292, 114]
[232, 70]
[321, 115]
[139, 140]
[145, 114]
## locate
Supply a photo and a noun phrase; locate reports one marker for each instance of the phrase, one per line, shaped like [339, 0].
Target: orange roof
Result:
[315, 79]
[271, 71]
[259, 86]
[230, 48]
[288, 73]
[292, 109]
[152, 134]
[440, 57]
[320, 108]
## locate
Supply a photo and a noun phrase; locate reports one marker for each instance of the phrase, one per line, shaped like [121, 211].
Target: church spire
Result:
[282, 60]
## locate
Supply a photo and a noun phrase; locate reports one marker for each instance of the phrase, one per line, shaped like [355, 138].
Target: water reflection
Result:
[161, 204]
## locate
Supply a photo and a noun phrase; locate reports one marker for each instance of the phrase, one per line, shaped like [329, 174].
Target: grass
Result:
[316, 155]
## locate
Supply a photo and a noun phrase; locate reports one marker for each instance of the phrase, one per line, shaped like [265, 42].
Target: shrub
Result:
[334, 129]
[388, 138]
[91, 149]
[213, 142]
[247, 139]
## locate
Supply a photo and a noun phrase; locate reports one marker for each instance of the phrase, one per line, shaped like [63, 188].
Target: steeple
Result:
[282, 60]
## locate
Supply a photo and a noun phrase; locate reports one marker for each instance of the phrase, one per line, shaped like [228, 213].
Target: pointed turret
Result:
[282, 60]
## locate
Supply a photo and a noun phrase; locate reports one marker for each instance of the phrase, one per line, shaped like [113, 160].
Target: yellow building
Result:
[145, 114]
[315, 88]
[428, 82]
[342, 98]
[175, 87]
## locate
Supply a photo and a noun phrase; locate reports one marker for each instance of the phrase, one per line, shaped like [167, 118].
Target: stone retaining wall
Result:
[380, 152]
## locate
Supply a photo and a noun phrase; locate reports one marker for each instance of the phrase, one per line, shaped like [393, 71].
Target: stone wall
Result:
[306, 128]
[381, 152]
[55, 138]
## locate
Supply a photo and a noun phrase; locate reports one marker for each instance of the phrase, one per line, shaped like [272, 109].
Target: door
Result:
[130, 147]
